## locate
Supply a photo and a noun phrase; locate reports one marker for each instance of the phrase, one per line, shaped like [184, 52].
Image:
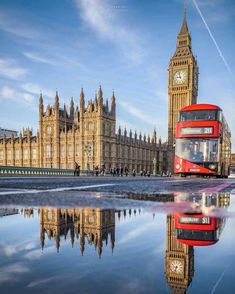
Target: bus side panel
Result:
[182, 166]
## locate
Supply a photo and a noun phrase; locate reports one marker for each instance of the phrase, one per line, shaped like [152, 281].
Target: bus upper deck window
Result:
[220, 115]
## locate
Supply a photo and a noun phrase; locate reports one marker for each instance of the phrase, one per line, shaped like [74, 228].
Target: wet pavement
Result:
[122, 235]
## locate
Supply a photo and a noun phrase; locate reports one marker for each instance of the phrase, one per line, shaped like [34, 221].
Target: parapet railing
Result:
[36, 171]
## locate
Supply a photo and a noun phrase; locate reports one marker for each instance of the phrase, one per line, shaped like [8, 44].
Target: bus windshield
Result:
[197, 149]
[196, 115]
[198, 235]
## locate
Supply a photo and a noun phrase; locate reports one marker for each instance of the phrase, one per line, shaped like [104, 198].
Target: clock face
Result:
[176, 266]
[180, 77]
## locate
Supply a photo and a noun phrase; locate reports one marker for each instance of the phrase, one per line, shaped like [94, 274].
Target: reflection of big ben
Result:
[182, 82]
[179, 268]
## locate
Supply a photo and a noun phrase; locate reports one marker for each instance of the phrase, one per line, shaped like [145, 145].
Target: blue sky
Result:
[125, 45]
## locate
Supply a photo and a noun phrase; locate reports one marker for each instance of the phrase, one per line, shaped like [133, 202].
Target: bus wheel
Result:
[182, 175]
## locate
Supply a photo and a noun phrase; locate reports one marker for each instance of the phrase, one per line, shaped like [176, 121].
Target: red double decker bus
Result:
[198, 229]
[203, 141]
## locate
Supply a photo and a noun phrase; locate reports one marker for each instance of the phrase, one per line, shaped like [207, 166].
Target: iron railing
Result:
[36, 171]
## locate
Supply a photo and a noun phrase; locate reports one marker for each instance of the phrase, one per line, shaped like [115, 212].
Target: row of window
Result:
[17, 154]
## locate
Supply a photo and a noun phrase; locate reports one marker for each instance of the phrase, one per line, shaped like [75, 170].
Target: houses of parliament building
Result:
[87, 134]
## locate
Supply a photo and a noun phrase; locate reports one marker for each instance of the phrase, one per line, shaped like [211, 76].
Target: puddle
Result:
[142, 243]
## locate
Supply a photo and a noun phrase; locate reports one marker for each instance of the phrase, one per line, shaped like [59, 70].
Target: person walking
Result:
[75, 169]
[126, 171]
[78, 170]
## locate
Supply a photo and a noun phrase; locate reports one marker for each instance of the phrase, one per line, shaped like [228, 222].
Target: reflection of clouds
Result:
[159, 250]
[38, 253]
[11, 272]
[41, 282]
[10, 250]
[133, 286]
[136, 233]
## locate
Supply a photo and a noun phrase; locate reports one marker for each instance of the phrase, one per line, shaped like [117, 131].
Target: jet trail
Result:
[213, 39]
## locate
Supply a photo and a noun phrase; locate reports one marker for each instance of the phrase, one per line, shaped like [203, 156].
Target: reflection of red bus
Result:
[198, 229]
[203, 141]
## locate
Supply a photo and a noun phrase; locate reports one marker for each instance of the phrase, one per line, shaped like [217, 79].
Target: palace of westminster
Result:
[87, 134]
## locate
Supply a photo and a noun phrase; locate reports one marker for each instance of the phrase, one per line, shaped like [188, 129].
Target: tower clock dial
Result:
[180, 77]
[176, 266]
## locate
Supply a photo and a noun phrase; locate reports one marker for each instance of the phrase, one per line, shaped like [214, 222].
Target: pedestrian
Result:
[96, 170]
[114, 172]
[126, 171]
[78, 171]
[148, 173]
[141, 173]
[121, 171]
[133, 173]
[75, 169]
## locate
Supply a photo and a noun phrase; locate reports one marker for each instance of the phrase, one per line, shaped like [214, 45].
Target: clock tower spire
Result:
[182, 82]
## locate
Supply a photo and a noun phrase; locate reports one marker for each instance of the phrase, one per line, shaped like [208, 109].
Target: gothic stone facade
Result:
[86, 135]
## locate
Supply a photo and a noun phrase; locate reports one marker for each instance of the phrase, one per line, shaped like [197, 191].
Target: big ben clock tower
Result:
[182, 83]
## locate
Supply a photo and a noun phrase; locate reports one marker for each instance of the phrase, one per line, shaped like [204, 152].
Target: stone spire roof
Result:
[184, 27]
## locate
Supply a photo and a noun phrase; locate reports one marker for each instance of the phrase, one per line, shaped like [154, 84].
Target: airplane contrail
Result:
[213, 39]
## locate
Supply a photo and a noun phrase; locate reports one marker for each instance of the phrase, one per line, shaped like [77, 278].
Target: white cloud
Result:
[136, 112]
[14, 25]
[10, 250]
[9, 69]
[10, 93]
[11, 272]
[103, 19]
[40, 282]
[34, 88]
[124, 124]
[38, 253]
[37, 58]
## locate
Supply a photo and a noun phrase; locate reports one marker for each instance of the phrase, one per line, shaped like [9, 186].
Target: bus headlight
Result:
[212, 166]
[177, 166]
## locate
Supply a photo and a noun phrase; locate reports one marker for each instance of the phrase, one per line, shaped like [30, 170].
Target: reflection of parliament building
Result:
[87, 134]
[95, 225]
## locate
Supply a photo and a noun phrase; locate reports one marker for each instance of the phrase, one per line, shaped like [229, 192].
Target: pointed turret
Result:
[100, 93]
[82, 100]
[119, 131]
[65, 112]
[56, 104]
[71, 109]
[113, 103]
[107, 105]
[184, 38]
[41, 106]
[100, 98]
[154, 138]
[184, 28]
